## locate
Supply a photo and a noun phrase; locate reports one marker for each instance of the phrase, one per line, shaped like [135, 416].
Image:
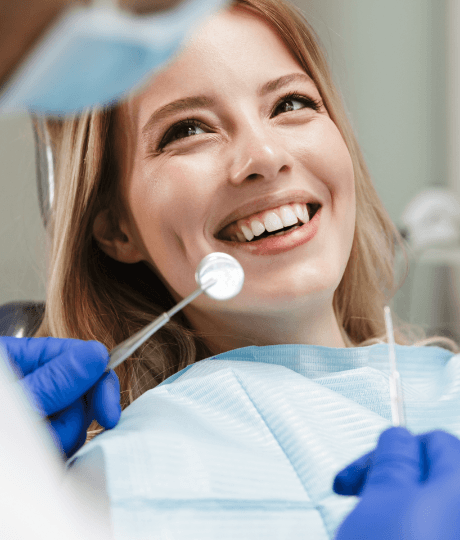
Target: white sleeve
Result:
[37, 499]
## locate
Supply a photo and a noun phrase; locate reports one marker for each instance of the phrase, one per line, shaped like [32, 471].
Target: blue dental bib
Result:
[246, 444]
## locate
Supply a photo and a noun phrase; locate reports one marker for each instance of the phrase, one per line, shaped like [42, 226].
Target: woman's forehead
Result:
[235, 49]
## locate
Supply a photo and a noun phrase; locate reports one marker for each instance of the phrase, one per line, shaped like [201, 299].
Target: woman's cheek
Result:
[338, 170]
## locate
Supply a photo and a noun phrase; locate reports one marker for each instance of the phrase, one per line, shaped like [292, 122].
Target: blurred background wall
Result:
[389, 60]
[22, 253]
[394, 63]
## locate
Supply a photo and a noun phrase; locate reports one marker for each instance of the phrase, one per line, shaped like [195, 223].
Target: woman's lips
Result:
[273, 245]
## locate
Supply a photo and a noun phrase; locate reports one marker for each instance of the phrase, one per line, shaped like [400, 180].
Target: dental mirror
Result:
[218, 275]
[225, 271]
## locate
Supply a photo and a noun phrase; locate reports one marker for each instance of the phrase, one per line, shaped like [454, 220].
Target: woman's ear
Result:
[114, 241]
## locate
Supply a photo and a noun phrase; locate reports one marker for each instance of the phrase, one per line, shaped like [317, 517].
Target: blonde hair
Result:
[91, 296]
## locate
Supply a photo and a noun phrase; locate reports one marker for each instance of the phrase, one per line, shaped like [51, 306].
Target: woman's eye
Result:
[294, 103]
[182, 130]
[290, 105]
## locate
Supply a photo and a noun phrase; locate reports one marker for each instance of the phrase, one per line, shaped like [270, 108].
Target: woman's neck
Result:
[227, 331]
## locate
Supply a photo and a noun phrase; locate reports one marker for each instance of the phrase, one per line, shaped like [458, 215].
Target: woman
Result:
[240, 145]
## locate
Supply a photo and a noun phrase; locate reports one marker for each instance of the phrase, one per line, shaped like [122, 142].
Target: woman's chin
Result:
[283, 301]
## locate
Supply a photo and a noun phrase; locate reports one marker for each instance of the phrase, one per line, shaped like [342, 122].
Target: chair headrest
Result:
[44, 165]
[21, 319]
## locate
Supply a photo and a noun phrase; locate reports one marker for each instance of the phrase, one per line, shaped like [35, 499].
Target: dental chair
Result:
[22, 319]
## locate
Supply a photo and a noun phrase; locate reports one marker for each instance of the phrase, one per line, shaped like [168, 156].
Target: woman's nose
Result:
[258, 155]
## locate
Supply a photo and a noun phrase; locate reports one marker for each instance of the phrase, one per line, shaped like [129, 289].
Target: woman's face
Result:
[230, 139]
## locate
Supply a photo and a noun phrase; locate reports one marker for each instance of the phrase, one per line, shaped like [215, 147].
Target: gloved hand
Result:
[409, 488]
[65, 381]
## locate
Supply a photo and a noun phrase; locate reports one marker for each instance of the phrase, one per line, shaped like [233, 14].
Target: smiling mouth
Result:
[275, 222]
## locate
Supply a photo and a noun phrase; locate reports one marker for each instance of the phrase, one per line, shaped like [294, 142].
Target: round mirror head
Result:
[227, 273]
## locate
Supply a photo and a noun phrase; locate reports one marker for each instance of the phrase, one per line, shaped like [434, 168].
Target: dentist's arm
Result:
[24, 22]
[66, 382]
[409, 488]
[39, 499]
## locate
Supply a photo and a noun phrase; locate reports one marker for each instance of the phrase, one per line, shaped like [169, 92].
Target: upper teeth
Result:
[270, 220]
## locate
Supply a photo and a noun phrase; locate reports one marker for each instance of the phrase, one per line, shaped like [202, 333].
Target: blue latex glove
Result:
[65, 381]
[409, 488]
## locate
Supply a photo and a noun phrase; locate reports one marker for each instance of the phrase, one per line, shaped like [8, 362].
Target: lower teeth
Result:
[285, 232]
[281, 233]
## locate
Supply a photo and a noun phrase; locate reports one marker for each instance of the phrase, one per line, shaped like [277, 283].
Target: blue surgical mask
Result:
[95, 56]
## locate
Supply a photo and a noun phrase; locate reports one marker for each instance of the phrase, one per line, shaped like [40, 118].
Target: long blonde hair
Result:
[91, 296]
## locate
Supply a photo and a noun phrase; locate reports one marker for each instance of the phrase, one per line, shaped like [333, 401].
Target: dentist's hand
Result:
[409, 488]
[65, 381]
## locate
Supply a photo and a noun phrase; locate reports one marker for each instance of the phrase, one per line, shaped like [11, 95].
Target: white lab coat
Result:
[38, 499]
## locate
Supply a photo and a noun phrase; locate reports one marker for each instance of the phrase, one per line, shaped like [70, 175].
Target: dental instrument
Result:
[396, 395]
[218, 275]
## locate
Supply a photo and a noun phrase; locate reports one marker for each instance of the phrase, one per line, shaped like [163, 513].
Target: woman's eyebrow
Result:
[276, 84]
[197, 102]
